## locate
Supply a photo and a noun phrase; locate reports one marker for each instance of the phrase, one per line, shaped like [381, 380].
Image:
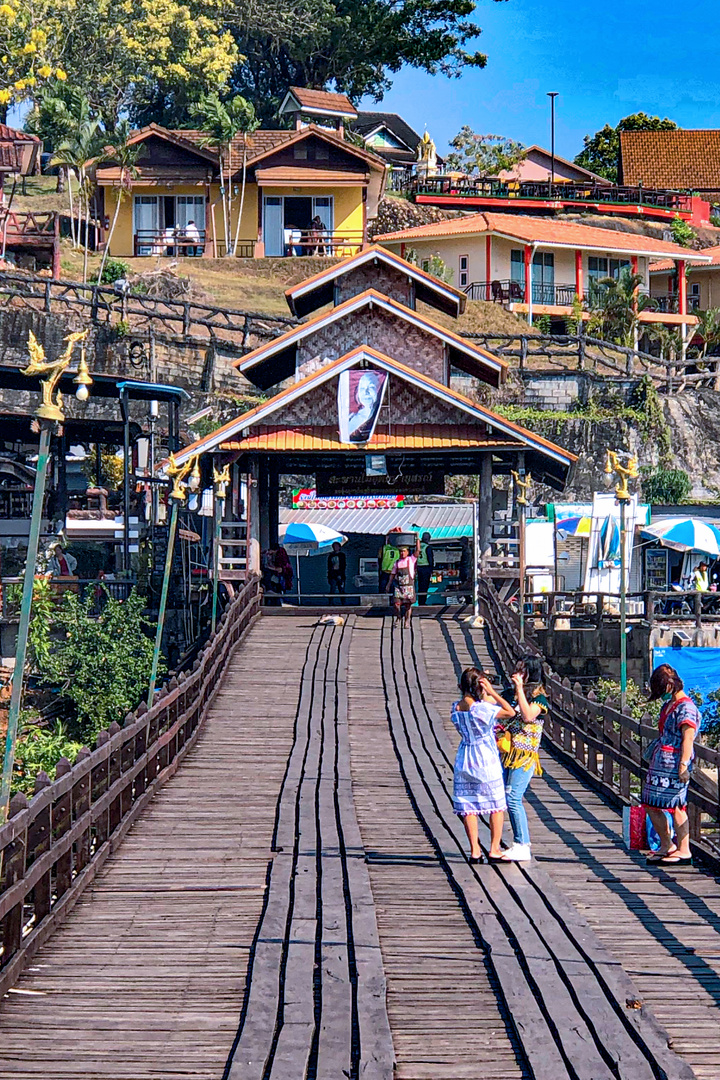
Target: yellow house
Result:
[306, 192]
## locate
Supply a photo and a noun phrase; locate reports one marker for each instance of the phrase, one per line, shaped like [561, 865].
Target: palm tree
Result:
[84, 147]
[616, 305]
[125, 155]
[54, 118]
[222, 121]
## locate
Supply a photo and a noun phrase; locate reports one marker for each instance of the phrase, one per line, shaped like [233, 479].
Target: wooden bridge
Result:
[261, 878]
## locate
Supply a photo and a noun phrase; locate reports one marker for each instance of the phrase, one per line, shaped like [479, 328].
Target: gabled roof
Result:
[18, 150]
[277, 357]
[219, 440]
[546, 232]
[681, 159]
[666, 265]
[182, 139]
[595, 177]
[331, 137]
[316, 291]
[317, 103]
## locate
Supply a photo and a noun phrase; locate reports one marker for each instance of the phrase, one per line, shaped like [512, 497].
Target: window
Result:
[543, 277]
[517, 267]
[694, 297]
[463, 274]
[300, 152]
[603, 267]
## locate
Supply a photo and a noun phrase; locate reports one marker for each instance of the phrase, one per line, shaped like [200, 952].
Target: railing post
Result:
[523, 351]
[186, 319]
[698, 610]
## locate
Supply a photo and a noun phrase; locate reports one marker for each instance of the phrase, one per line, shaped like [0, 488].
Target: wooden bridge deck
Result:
[235, 933]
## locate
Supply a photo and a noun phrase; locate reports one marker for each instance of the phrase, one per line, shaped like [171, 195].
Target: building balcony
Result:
[490, 190]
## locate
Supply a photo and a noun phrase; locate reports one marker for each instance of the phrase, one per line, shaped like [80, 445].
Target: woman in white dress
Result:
[478, 786]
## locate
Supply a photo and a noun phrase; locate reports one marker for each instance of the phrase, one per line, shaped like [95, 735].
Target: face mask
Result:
[666, 697]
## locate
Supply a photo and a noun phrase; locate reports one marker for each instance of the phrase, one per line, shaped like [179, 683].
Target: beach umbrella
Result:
[685, 534]
[574, 526]
[304, 538]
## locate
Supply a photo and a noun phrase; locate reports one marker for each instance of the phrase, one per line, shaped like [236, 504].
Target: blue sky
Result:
[605, 60]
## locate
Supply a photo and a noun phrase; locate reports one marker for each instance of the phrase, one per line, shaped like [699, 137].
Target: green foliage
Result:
[113, 270]
[616, 305]
[111, 469]
[662, 485]
[601, 151]
[39, 750]
[119, 330]
[101, 663]
[609, 690]
[483, 155]
[650, 417]
[42, 613]
[682, 233]
[354, 45]
[543, 323]
[433, 265]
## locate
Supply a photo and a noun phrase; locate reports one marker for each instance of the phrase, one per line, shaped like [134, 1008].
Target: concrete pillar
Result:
[264, 502]
[579, 272]
[485, 507]
[254, 548]
[273, 506]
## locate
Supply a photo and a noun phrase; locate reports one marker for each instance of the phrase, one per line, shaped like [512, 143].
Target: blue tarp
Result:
[698, 668]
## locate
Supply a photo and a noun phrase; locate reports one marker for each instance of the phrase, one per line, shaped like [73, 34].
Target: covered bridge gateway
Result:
[420, 431]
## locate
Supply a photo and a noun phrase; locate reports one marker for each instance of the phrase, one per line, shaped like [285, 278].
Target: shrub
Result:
[113, 270]
[661, 485]
[543, 323]
[637, 702]
[682, 233]
[39, 749]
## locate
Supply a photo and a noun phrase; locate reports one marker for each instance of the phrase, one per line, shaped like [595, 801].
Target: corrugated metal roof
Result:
[402, 437]
[441, 521]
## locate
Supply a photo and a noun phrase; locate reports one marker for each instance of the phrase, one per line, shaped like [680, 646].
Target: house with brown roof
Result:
[703, 283]
[538, 265]
[681, 159]
[282, 182]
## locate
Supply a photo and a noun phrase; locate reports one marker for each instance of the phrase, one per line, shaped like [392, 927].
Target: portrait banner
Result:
[361, 392]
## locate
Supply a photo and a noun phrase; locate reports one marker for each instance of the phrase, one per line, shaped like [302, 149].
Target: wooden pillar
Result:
[260, 243]
[253, 548]
[488, 267]
[264, 502]
[528, 274]
[579, 273]
[485, 508]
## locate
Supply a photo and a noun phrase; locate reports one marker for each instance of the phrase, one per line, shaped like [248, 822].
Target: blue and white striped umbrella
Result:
[313, 537]
[685, 534]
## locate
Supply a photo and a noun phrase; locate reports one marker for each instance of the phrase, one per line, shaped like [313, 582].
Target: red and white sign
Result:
[307, 499]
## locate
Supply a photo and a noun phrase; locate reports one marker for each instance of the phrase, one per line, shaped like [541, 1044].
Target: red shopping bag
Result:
[634, 828]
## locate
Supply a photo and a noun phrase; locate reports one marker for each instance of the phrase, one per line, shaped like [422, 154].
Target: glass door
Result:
[146, 224]
[543, 277]
[273, 225]
[324, 208]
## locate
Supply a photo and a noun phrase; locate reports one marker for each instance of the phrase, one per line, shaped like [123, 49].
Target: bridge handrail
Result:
[604, 742]
[52, 847]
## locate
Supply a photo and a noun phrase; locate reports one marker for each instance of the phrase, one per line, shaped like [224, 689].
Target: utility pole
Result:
[552, 94]
[523, 488]
[623, 497]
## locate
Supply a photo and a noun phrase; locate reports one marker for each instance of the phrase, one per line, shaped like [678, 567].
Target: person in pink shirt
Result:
[403, 577]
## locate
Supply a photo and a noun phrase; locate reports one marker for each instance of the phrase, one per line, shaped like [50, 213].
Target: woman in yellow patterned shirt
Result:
[519, 745]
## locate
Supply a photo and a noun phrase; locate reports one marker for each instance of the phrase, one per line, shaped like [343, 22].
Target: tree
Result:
[665, 486]
[53, 118]
[601, 151]
[125, 155]
[27, 50]
[483, 155]
[354, 45]
[222, 121]
[84, 146]
[616, 304]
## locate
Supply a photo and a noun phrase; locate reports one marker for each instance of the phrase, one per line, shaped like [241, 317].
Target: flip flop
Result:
[657, 858]
[676, 860]
[476, 860]
[496, 858]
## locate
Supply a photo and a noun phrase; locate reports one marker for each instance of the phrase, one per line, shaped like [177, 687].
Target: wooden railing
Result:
[677, 605]
[28, 226]
[606, 744]
[104, 304]
[54, 845]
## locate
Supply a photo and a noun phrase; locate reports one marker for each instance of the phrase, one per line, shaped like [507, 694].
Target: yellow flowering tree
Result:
[27, 56]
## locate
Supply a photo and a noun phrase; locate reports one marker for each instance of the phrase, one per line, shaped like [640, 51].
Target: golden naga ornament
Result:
[523, 486]
[624, 472]
[177, 474]
[50, 374]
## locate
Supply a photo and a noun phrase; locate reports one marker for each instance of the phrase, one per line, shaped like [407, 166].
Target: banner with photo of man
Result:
[361, 392]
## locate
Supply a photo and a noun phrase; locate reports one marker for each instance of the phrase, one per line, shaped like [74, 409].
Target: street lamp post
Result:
[623, 497]
[523, 489]
[49, 415]
[552, 94]
[221, 480]
[177, 474]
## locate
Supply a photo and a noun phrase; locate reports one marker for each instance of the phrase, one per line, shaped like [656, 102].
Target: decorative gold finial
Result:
[624, 472]
[221, 479]
[524, 486]
[177, 474]
[51, 373]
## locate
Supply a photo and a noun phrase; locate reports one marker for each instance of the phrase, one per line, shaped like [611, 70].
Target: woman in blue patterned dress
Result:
[671, 756]
[478, 786]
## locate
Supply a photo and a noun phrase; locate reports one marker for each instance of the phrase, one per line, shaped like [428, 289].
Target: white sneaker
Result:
[518, 853]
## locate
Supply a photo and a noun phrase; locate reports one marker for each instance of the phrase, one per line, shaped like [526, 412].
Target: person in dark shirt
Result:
[336, 571]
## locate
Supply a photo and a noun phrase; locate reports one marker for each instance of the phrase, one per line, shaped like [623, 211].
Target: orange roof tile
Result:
[404, 437]
[545, 231]
[668, 264]
[680, 160]
[323, 99]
